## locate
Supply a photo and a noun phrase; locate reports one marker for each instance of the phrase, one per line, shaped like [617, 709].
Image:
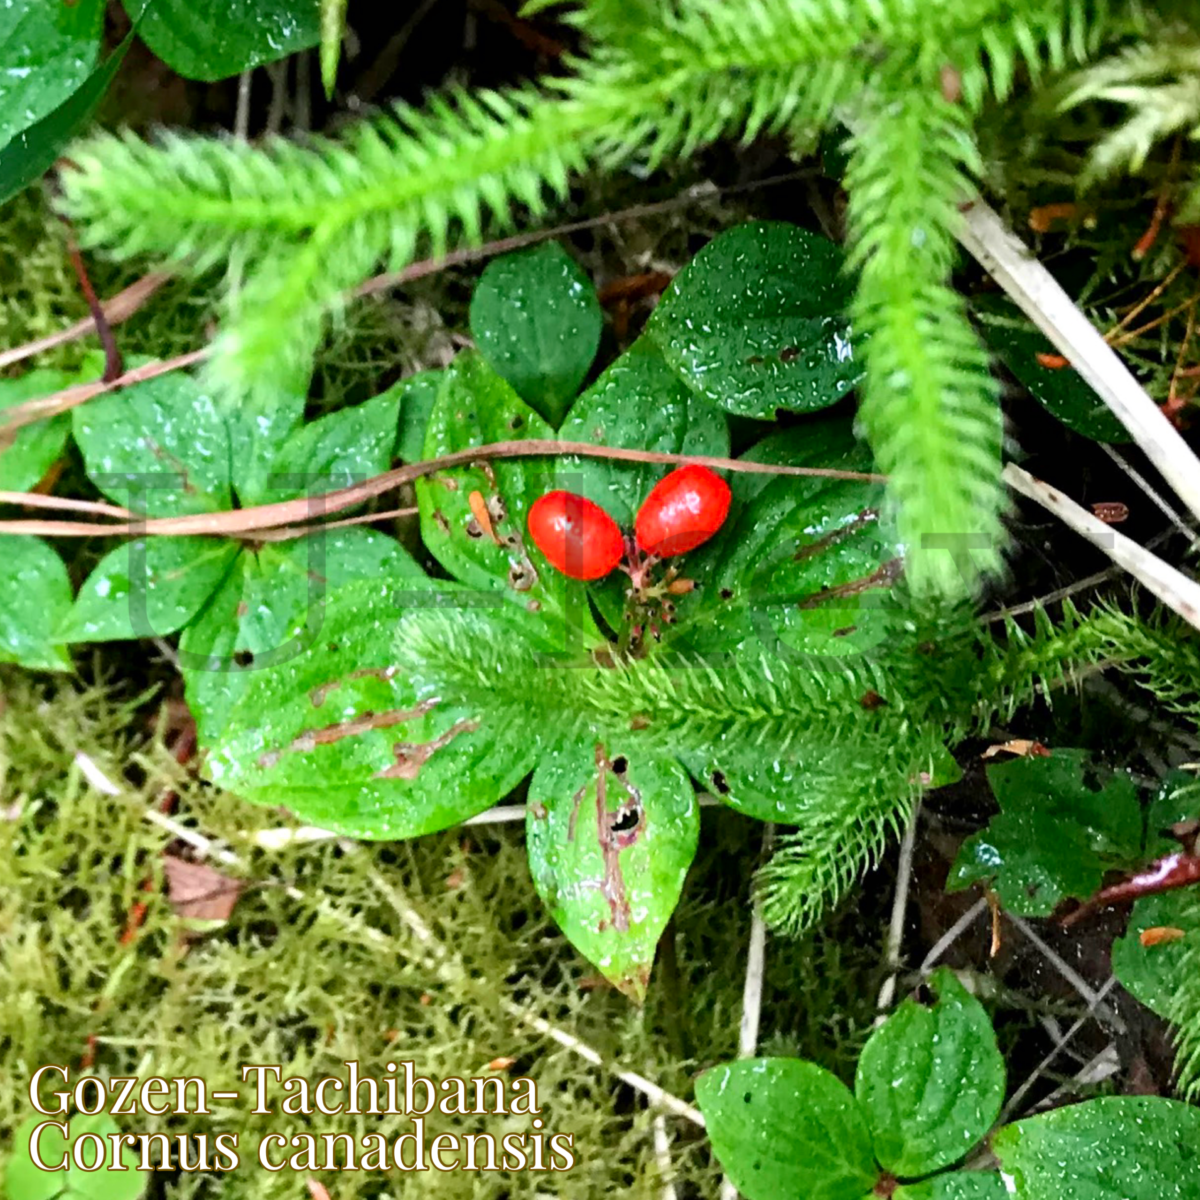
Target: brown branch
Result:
[114, 365]
[116, 309]
[37, 500]
[38, 409]
[291, 512]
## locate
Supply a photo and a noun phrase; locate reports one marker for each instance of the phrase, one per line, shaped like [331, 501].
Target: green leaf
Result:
[345, 447]
[158, 447]
[36, 149]
[35, 595]
[418, 394]
[638, 403]
[958, 1185]
[201, 42]
[1114, 1148]
[344, 739]
[333, 27]
[756, 321]
[931, 1080]
[1152, 973]
[270, 609]
[25, 1180]
[1062, 392]
[148, 587]
[259, 423]
[1062, 824]
[784, 1129]
[474, 407]
[49, 50]
[1176, 800]
[536, 319]
[804, 565]
[35, 448]
[611, 834]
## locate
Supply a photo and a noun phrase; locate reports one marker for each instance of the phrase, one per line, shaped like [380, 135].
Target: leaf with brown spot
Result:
[610, 858]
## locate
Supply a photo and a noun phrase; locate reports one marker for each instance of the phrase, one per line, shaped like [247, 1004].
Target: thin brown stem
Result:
[38, 409]
[292, 512]
[113, 364]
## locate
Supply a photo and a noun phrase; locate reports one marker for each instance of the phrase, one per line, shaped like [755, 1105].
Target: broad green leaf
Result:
[34, 448]
[271, 608]
[785, 1129]
[1062, 824]
[259, 423]
[931, 1080]
[207, 43]
[34, 150]
[49, 50]
[756, 321]
[957, 1185]
[147, 587]
[418, 394]
[611, 834]
[25, 1180]
[1152, 973]
[536, 319]
[1062, 392]
[335, 451]
[476, 407]
[638, 403]
[1113, 1148]
[158, 447]
[344, 739]
[804, 565]
[35, 595]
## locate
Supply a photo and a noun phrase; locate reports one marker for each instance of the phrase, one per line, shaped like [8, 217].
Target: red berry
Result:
[577, 537]
[683, 509]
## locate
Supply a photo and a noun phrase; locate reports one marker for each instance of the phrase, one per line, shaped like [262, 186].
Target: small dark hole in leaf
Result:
[726, 593]
[620, 764]
[1092, 781]
[516, 422]
[924, 996]
[849, 629]
[333, 647]
[747, 1097]
[243, 658]
[627, 820]
[720, 782]
[789, 354]
[473, 529]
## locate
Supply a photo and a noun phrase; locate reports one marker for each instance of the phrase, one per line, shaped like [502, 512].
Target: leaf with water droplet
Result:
[1063, 822]
[1113, 1148]
[803, 564]
[35, 595]
[35, 448]
[270, 608]
[957, 1185]
[784, 1128]
[213, 43]
[536, 319]
[147, 587]
[337, 732]
[756, 321]
[931, 1080]
[49, 50]
[158, 447]
[611, 833]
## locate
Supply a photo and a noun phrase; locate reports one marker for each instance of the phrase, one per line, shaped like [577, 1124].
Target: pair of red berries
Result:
[580, 539]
